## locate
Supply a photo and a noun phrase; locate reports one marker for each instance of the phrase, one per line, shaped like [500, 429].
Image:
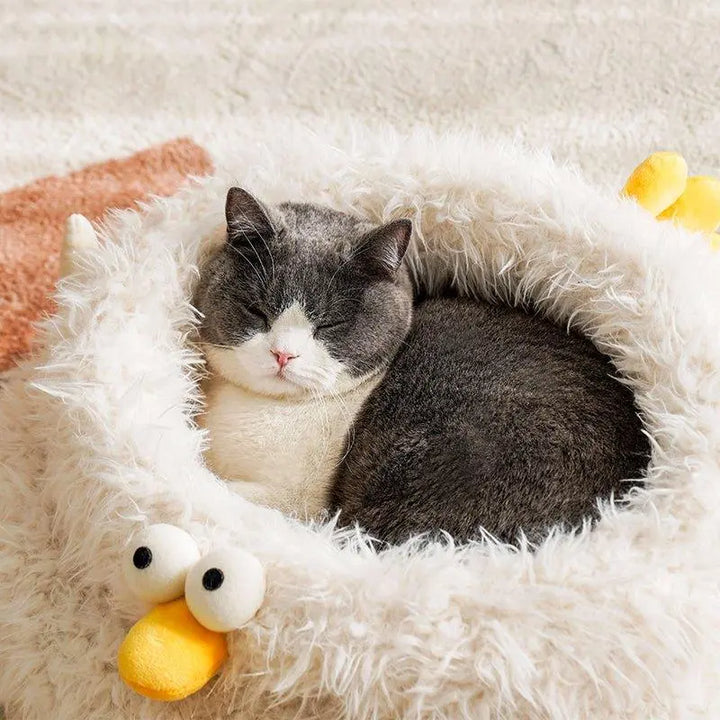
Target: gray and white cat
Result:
[333, 386]
[303, 308]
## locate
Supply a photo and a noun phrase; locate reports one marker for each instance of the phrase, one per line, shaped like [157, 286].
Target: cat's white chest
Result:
[281, 452]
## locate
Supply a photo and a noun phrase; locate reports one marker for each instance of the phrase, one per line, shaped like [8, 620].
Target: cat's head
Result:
[303, 299]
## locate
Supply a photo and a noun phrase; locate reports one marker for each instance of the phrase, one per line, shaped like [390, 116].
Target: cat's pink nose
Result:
[282, 358]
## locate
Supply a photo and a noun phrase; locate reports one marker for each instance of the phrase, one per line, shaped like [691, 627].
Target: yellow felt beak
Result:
[168, 654]
[661, 185]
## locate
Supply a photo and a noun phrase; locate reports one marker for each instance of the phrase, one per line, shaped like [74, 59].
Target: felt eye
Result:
[157, 562]
[225, 589]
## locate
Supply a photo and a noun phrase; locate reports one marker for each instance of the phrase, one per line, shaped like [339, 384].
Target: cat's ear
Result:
[247, 219]
[382, 250]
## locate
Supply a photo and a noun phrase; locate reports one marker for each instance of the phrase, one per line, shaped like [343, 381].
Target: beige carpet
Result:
[600, 83]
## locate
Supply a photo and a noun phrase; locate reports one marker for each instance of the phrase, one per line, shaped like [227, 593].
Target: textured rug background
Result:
[32, 224]
[601, 83]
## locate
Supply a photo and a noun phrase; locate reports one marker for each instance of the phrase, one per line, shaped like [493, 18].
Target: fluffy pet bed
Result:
[96, 439]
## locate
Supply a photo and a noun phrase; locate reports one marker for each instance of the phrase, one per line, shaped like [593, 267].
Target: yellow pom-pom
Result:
[715, 241]
[658, 181]
[698, 208]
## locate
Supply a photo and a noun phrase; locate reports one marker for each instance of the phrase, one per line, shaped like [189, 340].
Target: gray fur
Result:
[491, 417]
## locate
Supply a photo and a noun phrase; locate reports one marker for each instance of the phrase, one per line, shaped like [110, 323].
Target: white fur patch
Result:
[278, 433]
[620, 622]
[280, 451]
[253, 366]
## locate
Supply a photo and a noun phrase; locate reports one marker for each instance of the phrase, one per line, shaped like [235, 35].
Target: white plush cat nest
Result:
[620, 622]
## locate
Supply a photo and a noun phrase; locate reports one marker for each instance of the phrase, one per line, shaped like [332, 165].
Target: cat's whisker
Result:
[322, 403]
[270, 255]
[220, 346]
[349, 418]
[257, 230]
[248, 262]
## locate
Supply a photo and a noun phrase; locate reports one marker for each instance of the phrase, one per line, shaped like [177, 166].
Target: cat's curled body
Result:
[491, 417]
[330, 388]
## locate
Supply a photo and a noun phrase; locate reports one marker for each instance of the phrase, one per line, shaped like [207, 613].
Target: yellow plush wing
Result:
[661, 185]
[698, 208]
[658, 181]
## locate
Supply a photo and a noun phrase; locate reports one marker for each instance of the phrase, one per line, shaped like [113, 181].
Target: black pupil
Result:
[142, 557]
[212, 579]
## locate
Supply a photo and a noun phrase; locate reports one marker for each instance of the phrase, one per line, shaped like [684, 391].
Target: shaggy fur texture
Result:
[96, 439]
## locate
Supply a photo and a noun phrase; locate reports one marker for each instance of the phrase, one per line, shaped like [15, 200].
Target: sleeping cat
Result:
[303, 308]
[331, 385]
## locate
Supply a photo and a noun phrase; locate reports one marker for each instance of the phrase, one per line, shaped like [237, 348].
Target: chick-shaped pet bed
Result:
[97, 443]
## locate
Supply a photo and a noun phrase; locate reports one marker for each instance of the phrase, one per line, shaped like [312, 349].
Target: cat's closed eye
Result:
[331, 326]
[258, 314]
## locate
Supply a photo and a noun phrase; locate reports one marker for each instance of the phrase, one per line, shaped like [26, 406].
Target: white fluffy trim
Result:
[95, 438]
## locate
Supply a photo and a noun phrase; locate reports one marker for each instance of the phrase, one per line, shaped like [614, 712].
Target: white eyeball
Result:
[157, 562]
[225, 589]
